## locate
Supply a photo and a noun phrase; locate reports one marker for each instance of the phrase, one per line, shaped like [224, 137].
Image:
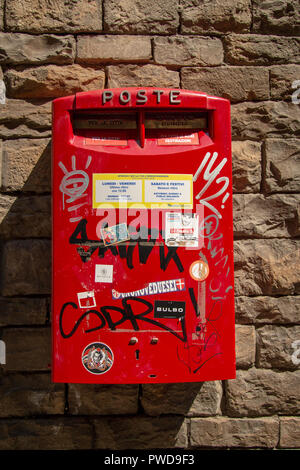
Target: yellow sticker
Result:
[142, 191]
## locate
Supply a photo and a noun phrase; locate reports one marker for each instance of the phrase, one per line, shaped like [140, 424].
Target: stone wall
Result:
[247, 51]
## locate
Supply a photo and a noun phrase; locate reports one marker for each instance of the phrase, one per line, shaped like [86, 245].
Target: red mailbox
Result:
[142, 237]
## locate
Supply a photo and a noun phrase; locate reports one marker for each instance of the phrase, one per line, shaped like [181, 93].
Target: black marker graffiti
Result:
[195, 351]
[105, 316]
[123, 250]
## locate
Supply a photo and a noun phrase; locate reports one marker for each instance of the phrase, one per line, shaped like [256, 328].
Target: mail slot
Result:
[142, 258]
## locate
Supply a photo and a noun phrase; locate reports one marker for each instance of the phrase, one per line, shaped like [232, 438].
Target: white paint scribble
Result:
[210, 175]
[295, 95]
[296, 354]
[2, 92]
[73, 185]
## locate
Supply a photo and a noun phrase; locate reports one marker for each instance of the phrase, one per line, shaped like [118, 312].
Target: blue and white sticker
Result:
[152, 288]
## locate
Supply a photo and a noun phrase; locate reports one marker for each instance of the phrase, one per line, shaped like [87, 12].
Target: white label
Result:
[175, 191]
[104, 273]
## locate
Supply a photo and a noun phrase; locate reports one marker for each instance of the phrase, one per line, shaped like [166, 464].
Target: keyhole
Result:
[137, 354]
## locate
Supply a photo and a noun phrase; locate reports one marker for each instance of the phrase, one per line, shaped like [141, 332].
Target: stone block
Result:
[245, 346]
[52, 81]
[25, 217]
[1, 14]
[26, 267]
[46, 434]
[282, 78]
[20, 118]
[182, 50]
[190, 399]
[234, 83]
[139, 432]
[263, 392]
[27, 349]
[142, 17]
[246, 166]
[26, 165]
[99, 399]
[274, 346]
[16, 48]
[255, 49]
[267, 267]
[282, 165]
[257, 216]
[280, 17]
[215, 16]
[265, 309]
[265, 119]
[141, 75]
[228, 432]
[30, 395]
[290, 432]
[18, 311]
[114, 48]
[33, 16]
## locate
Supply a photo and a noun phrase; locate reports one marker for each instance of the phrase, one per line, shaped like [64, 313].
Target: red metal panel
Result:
[140, 294]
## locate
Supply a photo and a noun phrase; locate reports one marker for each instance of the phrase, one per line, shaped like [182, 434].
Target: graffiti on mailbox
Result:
[192, 353]
[73, 186]
[80, 238]
[210, 176]
[127, 312]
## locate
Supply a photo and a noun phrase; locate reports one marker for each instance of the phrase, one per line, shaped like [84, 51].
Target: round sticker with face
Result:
[97, 358]
[199, 270]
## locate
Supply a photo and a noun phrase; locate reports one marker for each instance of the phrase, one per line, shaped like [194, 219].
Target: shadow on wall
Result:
[25, 228]
[151, 415]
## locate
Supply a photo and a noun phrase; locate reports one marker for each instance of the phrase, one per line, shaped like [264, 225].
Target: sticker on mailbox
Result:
[115, 234]
[104, 273]
[97, 358]
[142, 191]
[152, 288]
[199, 270]
[86, 299]
[169, 309]
[182, 229]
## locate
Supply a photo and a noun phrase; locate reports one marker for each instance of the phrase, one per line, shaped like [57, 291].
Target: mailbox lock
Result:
[154, 340]
[133, 340]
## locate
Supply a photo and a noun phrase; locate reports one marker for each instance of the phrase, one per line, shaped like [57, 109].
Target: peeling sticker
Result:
[97, 358]
[115, 234]
[86, 299]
